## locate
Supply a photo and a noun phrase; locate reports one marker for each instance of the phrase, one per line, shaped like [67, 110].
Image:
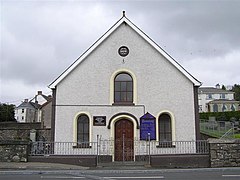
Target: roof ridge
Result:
[108, 33]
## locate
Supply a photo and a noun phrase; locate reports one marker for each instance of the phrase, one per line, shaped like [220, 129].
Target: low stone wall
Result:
[21, 131]
[180, 161]
[224, 153]
[14, 151]
[80, 160]
[16, 125]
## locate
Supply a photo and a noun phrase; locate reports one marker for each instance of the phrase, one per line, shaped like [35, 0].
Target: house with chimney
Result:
[27, 112]
[37, 109]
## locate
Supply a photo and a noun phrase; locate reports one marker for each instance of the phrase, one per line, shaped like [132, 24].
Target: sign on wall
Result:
[147, 127]
[99, 120]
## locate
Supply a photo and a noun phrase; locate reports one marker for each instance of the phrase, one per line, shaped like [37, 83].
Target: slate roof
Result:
[29, 105]
[223, 101]
[212, 90]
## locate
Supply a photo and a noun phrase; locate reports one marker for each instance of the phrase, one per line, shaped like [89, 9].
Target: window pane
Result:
[117, 96]
[80, 128]
[123, 96]
[162, 138]
[80, 137]
[123, 86]
[129, 96]
[215, 108]
[117, 86]
[86, 128]
[168, 137]
[86, 138]
[123, 77]
[129, 86]
[167, 126]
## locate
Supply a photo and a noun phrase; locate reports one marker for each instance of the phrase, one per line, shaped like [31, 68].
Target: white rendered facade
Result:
[223, 99]
[160, 86]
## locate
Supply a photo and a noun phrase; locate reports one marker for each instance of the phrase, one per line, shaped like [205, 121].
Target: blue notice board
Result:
[147, 125]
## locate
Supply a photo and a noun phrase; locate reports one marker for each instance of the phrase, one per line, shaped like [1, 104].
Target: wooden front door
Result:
[124, 150]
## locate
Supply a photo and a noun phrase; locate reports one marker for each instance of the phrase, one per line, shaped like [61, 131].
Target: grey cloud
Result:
[40, 39]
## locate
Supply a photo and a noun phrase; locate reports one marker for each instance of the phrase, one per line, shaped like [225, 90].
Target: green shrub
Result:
[221, 116]
[237, 136]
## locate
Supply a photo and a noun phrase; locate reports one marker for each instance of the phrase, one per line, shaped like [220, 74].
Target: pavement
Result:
[41, 166]
[38, 166]
[50, 167]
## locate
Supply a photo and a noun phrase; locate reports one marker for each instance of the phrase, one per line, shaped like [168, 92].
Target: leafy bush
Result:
[237, 136]
[221, 116]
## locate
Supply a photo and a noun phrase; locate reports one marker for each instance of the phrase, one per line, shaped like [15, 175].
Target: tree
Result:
[236, 89]
[7, 112]
[223, 87]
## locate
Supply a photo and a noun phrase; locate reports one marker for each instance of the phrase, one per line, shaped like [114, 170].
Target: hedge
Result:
[221, 116]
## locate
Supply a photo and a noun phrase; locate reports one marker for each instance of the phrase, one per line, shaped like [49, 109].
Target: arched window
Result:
[224, 108]
[83, 130]
[165, 130]
[123, 89]
[215, 108]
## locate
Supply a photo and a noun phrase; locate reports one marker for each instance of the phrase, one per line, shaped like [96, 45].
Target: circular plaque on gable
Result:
[123, 51]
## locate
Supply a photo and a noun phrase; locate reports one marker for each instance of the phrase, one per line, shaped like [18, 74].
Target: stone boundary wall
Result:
[15, 125]
[180, 161]
[14, 151]
[80, 160]
[24, 134]
[21, 131]
[224, 153]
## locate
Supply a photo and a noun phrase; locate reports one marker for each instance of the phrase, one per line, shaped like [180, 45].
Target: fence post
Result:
[149, 155]
[97, 149]
[123, 148]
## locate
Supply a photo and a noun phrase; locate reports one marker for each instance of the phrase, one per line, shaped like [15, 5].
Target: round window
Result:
[123, 51]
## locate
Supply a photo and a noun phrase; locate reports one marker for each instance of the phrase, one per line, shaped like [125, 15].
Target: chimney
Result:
[39, 93]
[218, 86]
[25, 100]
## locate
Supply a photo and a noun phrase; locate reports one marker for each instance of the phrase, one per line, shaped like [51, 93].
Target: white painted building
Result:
[116, 81]
[34, 110]
[27, 112]
[216, 100]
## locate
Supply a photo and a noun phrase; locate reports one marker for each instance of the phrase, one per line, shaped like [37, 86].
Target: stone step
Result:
[124, 165]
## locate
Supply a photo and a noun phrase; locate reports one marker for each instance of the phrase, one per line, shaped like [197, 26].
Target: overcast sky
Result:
[40, 39]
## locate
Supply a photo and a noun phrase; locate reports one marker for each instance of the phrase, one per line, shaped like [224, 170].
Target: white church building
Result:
[125, 88]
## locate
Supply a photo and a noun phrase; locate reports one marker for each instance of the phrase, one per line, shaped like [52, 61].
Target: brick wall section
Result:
[14, 151]
[224, 153]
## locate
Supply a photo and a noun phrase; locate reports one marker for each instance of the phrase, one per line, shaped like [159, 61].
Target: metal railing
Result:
[63, 148]
[106, 147]
[229, 134]
[215, 128]
[179, 147]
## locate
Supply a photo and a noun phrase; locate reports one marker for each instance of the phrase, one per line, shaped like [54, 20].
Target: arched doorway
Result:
[124, 142]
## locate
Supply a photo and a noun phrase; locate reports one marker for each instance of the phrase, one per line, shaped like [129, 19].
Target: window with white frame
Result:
[209, 96]
[222, 96]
